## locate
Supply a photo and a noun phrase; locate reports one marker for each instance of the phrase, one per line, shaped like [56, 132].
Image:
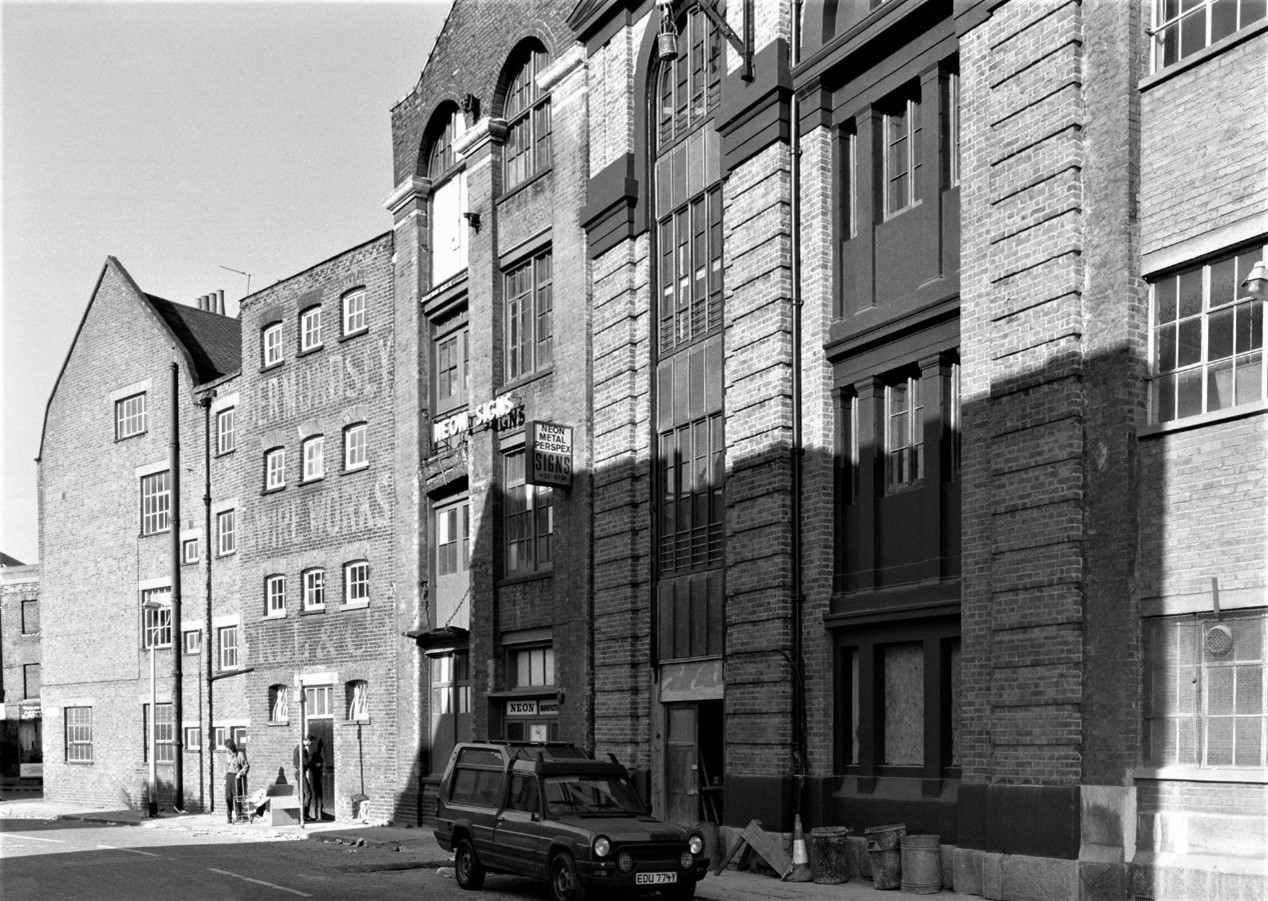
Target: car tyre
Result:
[564, 884]
[467, 868]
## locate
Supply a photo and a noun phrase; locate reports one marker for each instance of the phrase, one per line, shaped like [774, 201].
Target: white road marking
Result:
[259, 882]
[31, 838]
[129, 850]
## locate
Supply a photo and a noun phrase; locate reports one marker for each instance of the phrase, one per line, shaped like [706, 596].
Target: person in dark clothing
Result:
[310, 764]
[235, 776]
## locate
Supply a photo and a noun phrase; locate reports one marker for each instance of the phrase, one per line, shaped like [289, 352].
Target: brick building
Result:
[133, 580]
[21, 719]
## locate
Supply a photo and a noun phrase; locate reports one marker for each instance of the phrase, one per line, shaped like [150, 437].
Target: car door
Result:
[518, 833]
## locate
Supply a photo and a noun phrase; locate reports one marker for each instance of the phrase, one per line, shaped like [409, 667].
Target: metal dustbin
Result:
[884, 855]
[829, 863]
[922, 864]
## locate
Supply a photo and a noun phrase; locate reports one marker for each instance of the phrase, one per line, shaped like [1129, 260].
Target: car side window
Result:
[524, 794]
[478, 787]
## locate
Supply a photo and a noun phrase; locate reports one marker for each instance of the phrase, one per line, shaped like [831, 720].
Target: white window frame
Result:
[78, 735]
[271, 345]
[193, 641]
[164, 733]
[531, 507]
[156, 621]
[130, 417]
[189, 550]
[905, 459]
[310, 329]
[314, 450]
[275, 595]
[193, 738]
[275, 469]
[314, 589]
[228, 644]
[226, 533]
[156, 502]
[226, 434]
[1163, 26]
[318, 702]
[356, 446]
[355, 318]
[356, 583]
[912, 127]
[531, 667]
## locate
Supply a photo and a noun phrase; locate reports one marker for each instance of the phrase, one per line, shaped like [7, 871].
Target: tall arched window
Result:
[527, 114]
[448, 196]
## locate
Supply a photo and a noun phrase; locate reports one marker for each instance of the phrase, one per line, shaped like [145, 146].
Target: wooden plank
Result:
[722, 864]
[771, 848]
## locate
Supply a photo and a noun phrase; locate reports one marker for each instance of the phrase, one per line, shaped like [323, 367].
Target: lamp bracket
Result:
[743, 46]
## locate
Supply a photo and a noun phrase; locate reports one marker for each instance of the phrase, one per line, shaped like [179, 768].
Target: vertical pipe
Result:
[153, 805]
[178, 707]
[798, 451]
[207, 750]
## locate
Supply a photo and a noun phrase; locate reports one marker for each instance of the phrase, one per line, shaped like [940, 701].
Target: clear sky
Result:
[179, 138]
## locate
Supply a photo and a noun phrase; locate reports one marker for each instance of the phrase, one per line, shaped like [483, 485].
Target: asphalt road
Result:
[43, 860]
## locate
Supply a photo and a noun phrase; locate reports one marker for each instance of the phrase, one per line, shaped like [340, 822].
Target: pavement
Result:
[730, 885]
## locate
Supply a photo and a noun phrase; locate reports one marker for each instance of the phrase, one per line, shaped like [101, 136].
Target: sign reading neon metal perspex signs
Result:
[549, 449]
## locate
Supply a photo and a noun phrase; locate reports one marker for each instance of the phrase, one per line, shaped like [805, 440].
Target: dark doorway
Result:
[324, 731]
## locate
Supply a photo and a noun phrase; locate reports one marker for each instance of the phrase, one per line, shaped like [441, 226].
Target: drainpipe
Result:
[178, 706]
[207, 794]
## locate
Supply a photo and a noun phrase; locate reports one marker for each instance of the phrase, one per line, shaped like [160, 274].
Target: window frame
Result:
[30, 623]
[451, 353]
[356, 441]
[226, 431]
[453, 537]
[1163, 25]
[189, 551]
[156, 502]
[358, 701]
[356, 316]
[528, 659]
[526, 111]
[129, 423]
[905, 462]
[314, 589]
[226, 538]
[158, 620]
[447, 172]
[311, 472]
[27, 670]
[164, 733]
[196, 646]
[356, 583]
[275, 595]
[77, 734]
[271, 351]
[275, 469]
[529, 303]
[279, 703]
[227, 651]
[538, 503]
[310, 329]
[906, 164]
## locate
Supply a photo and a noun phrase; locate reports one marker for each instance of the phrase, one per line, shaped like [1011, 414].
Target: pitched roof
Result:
[214, 342]
[7, 561]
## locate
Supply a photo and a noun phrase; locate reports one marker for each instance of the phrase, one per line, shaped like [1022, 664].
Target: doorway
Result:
[324, 732]
[693, 762]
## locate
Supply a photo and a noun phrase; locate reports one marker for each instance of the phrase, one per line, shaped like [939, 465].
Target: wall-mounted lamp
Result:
[1257, 282]
[473, 219]
[667, 37]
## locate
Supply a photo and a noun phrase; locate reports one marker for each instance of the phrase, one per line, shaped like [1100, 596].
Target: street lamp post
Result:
[151, 608]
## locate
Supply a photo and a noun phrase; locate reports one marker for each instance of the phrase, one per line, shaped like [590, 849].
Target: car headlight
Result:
[696, 844]
[602, 846]
[687, 860]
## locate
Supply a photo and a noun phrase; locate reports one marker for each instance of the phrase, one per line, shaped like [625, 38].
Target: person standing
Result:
[235, 774]
[314, 770]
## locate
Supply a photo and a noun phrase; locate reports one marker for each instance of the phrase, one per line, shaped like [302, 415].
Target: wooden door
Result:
[682, 755]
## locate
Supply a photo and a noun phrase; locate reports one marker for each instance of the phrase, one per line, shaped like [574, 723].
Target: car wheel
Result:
[564, 884]
[683, 891]
[467, 868]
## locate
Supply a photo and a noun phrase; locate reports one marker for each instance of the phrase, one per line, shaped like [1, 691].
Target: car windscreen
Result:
[603, 795]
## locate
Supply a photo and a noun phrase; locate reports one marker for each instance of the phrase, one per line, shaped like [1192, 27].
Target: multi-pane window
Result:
[30, 680]
[530, 518]
[1207, 705]
[527, 117]
[904, 433]
[279, 704]
[356, 582]
[314, 457]
[317, 700]
[227, 639]
[156, 621]
[193, 738]
[275, 596]
[358, 698]
[237, 733]
[78, 734]
[531, 667]
[1207, 339]
[156, 503]
[355, 451]
[451, 683]
[226, 436]
[314, 589]
[193, 641]
[310, 329]
[30, 616]
[448, 200]
[271, 343]
[689, 205]
[848, 188]
[354, 318]
[453, 539]
[129, 416]
[902, 152]
[226, 534]
[529, 317]
[164, 733]
[275, 469]
[452, 370]
[1183, 27]
[189, 550]
[951, 129]
[689, 88]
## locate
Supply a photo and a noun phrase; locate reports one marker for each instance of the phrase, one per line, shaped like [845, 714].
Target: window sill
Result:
[357, 334]
[521, 186]
[1203, 419]
[518, 578]
[156, 534]
[225, 554]
[1219, 47]
[119, 438]
[312, 611]
[890, 217]
[278, 723]
[523, 380]
[271, 366]
[276, 490]
[354, 605]
[350, 723]
[228, 453]
[355, 469]
[274, 616]
[309, 351]
[313, 481]
[1257, 775]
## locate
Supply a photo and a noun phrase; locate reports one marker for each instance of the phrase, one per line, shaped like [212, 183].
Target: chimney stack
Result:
[220, 301]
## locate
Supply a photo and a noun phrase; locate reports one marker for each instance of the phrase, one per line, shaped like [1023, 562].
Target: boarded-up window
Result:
[904, 723]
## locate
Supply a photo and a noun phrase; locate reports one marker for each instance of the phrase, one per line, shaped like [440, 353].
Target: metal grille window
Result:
[902, 158]
[314, 458]
[271, 344]
[164, 733]
[226, 534]
[314, 589]
[1207, 705]
[156, 623]
[356, 582]
[156, 503]
[226, 438]
[355, 451]
[453, 539]
[279, 704]
[310, 329]
[78, 734]
[275, 469]
[275, 596]
[129, 416]
[527, 115]
[358, 695]
[529, 317]
[1183, 27]
[354, 315]
[1207, 339]
[228, 640]
[531, 667]
[904, 433]
[529, 517]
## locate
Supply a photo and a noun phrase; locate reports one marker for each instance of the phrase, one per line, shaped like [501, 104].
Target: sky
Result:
[179, 138]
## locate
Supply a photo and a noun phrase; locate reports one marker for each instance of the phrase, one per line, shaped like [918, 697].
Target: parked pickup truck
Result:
[549, 811]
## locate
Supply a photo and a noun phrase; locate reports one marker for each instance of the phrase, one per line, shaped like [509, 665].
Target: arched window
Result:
[527, 114]
[279, 704]
[448, 196]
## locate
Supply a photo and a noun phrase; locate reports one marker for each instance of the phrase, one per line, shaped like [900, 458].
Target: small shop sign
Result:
[532, 707]
[550, 454]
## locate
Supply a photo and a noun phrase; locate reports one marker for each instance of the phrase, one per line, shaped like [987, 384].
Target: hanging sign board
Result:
[549, 454]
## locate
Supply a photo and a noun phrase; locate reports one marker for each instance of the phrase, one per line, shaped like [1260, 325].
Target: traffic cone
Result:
[800, 871]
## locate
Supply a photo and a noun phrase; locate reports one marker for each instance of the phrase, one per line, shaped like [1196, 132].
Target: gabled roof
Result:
[214, 342]
[7, 561]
